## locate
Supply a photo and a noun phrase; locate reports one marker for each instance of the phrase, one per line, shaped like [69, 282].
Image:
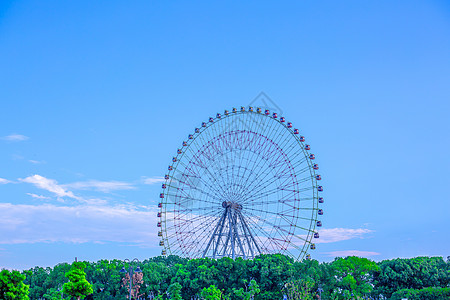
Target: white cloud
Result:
[153, 180]
[333, 235]
[345, 253]
[4, 181]
[37, 196]
[48, 223]
[50, 185]
[35, 161]
[15, 138]
[102, 186]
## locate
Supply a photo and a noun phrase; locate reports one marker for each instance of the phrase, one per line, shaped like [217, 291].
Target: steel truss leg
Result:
[235, 242]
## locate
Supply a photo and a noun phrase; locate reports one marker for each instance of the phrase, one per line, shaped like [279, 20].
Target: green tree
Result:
[299, 289]
[54, 294]
[56, 276]
[247, 294]
[77, 286]
[36, 279]
[353, 276]
[430, 293]
[414, 273]
[105, 278]
[211, 293]
[156, 277]
[271, 272]
[175, 291]
[12, 286]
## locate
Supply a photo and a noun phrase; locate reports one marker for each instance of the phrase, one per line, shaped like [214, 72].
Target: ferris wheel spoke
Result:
[201, 236]
[196, 157]
[281, 214]
[280, 231]
[214, 195]
[264, 193]
[258, 179]
[270, 240]
[199, 177]
[185, 198]
[184, 190]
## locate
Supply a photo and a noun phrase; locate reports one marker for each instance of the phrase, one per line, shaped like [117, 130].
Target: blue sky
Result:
[95, 98]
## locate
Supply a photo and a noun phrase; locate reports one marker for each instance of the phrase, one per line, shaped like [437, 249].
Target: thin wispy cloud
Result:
[36, 162]
[4, 181]
[101, 186]
[345, 253]
[15, 138]
[37, 196]
[333, 235]
[24, 224]
[49, 185]
[152, 180]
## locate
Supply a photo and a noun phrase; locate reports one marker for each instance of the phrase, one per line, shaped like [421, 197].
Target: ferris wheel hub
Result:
[233, 205]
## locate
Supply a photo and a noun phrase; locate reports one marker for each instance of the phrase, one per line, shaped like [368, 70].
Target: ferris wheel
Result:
[243, 184]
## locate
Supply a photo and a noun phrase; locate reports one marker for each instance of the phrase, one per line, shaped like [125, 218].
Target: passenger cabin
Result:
[320, 211]
[312, 156]
[320, 188]
[307, 147]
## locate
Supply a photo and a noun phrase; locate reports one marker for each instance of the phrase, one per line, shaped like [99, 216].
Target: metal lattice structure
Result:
[243, 184]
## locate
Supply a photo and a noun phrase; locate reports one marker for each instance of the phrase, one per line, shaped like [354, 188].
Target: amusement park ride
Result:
[243, 184]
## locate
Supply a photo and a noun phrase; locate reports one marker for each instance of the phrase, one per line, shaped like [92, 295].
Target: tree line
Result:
[267, 277]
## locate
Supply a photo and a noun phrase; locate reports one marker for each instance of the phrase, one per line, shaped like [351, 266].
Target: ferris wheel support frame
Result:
[232, 214]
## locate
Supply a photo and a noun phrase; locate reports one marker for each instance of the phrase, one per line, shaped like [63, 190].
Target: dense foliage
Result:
[267, 277]
[12, 286]
[77, 286]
